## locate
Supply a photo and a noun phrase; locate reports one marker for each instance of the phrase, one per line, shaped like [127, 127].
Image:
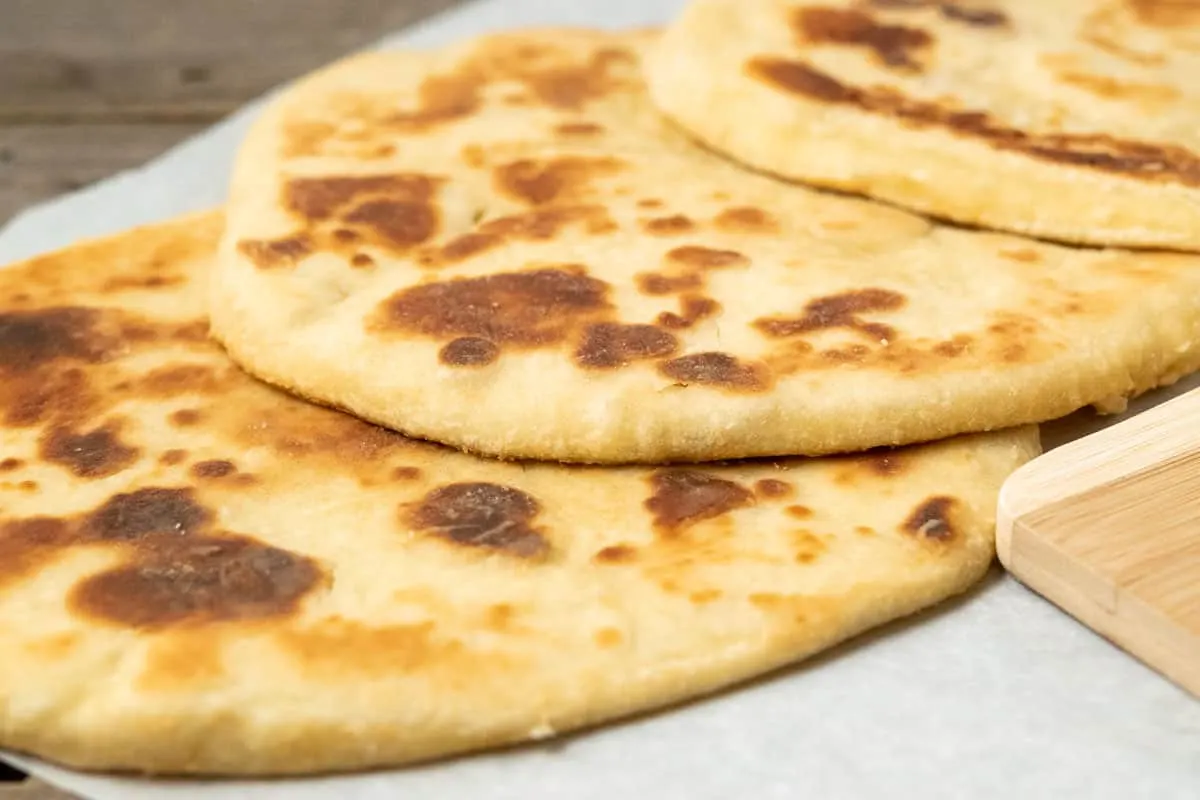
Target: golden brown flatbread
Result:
[1075, 120]
[201, 574]
[503, 247]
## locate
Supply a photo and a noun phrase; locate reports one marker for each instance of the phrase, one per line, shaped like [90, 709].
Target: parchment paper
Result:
[998, 695]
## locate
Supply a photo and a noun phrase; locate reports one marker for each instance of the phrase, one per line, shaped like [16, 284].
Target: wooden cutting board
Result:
[1107, 527]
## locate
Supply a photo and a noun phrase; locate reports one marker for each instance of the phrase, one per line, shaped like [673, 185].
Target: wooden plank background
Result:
[92, 87]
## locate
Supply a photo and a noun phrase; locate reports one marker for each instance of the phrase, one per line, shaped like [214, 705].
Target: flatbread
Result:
[502, 246]
[202, 574]
[1076, 120]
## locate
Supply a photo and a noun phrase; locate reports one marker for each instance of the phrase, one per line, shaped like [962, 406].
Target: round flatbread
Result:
[502, 247]
[202, 574]
[1074, 120]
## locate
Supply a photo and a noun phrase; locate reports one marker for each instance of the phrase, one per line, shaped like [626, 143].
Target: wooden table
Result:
[91, 87]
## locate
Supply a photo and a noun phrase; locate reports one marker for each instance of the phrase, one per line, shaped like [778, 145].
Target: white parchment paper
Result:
[998, 695]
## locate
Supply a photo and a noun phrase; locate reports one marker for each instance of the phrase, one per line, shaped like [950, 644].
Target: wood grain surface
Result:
[1108, 528]
[92, 87]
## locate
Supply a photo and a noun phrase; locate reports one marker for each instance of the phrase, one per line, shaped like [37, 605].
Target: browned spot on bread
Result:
[500, 617]
[976, 17]
[134, 331]
[32, 397]
[213, 468]
[607, 345]
[170, 458]
[1113, 89]
[554, 81]
[615, 554]
[717, 369]
[656, 284]
[773, 488]
[931, 519]
[799, 512]
[181, 379]
[26, 544]
[540, 224]
[1013, 353]
[194, 332]
[123, 283]
[552, 180]
[884, 465]
[705, 596]
[319, 199]
[850, 470]
[32, 339]
[838, 311]
[474, 156]
[274, 253]
[484, 515]
[973, 16]
[469, 351]
[403, 473]
[668, 226]
[442, 99]
[746, 219]
[10, 464]
[152, 511]
[685, 271]
[1164, 163]
[1167, 14]
[844, 355]
[693, 309]
[402, 224]
[683, 497]
[1011, 324]
[185, 417]
[1023, 254]
[808, 546]
[173, 570]
[765, 599]
[706, 257]
[650, 203]
[200, 580]
[305, 137]
[510, 309]
[97, 453]
[361, 261]
[864, 530]
[392, 211]
[952, 348]
[579, 129]
[460, 248]
[894, 45]
[607, 637]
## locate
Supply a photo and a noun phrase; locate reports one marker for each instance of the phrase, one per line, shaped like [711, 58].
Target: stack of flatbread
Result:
[543, 379]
